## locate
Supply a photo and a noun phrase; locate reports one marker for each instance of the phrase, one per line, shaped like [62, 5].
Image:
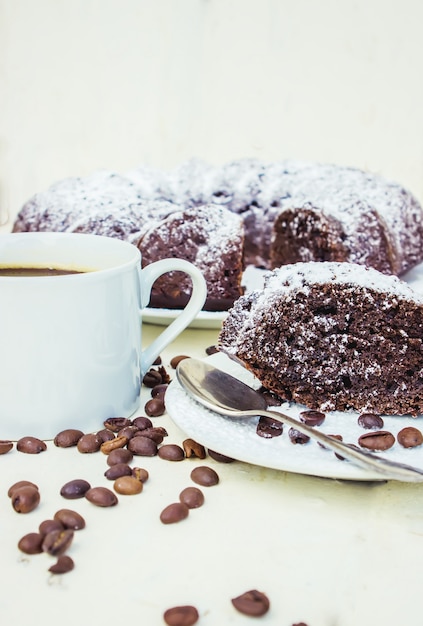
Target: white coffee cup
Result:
[70, 345]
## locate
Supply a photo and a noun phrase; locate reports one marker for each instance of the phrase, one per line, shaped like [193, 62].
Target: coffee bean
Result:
[63, 565]
[128, 485]
[152, 378]
[88, 444]
[159, 391]
[410, 437]
[193, 449]
[67, 438]
[268, 427]
[118, 470]
[271, 398]
[174, 362]
[370, 420]
[140, 474]
[142, 446]
[165, 376]
[31, 445]
[212, 350]
[70, 519]
[181, 616]
[297, 437]
[171, 452]
[18, 485]
[254, 603]
[312, 418]
[128, 432]
[25, 499]
[158, 361]
[156, 433]
[105, 435]
[113, 444]
[115, 424]
[204, 476]
[118, 456]
[48, 525]
[31, 543]
[154, 407]
[192, 497]
[101, 496]
[377, 440]
[5, 446]
[57, 541]
[142, 422]
[175, 512]
[219, 457]
[74, 489]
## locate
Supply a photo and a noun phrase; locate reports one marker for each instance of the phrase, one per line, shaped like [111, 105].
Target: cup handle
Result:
[198, 297]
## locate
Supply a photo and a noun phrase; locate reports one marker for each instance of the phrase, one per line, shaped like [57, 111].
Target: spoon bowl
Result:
[224, 394]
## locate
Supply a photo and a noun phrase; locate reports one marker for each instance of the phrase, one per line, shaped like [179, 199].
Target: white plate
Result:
[238, 438]
[252, 279]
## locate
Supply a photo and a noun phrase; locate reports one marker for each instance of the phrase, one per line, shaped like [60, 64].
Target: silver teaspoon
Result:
[224, 394]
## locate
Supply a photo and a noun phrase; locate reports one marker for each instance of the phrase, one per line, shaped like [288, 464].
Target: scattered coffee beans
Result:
[171, 452]
[193, 449]
[31, 543]
[75, 489]
[31, 445]
[204, 476]
[88, 444]
[377, 440]
[296, 437]
[174, 362]
[410, 437]
[25, 499]
[175, 512]
[70, 519]
[192, 497]
[67, 438]
[101, 496]
[181, 616]
[268, 427]
[57, 542]
[254, 603]
[155, 407]
[312, 418]
[5, 446]
[370, 421]
[63, 565]
[128, 485]
[219, 457]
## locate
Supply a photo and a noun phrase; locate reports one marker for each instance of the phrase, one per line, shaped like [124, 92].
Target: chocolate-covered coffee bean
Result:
[101, 496]
[31, 445]
[171, 452]
[186, 615]
[219, 457]
[159, 391]
[296, 437]
[140, 474]
[48, 525]
[269, 427]
[25, 499]
[118, 456]
[63, 565]
[5, 446]
[254, 603]
[173, 513]
[67, 438]
[142, 422]
[57, 542]
[70, 519]
[31, 543]
[128, 485]
[192, 497]
[377, 440]
[312, 418]
[115, 424]
[88, 443]
[142, 446]
[18, 485]
[204, 476]
[154, 407]
[370, 421]
[75, 489]
[152, 378]
[118, 470]
[104, 435]
[410, 437]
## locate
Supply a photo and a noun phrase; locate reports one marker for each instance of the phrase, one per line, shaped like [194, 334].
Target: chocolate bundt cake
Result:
[332, 336]
[290, 211]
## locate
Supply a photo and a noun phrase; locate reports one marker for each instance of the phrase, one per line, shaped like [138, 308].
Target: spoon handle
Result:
[390, 469]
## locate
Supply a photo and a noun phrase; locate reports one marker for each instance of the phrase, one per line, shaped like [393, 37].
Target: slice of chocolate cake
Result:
[332, 336]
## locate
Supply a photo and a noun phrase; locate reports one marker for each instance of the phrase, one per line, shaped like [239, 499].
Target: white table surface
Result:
[326, 552]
